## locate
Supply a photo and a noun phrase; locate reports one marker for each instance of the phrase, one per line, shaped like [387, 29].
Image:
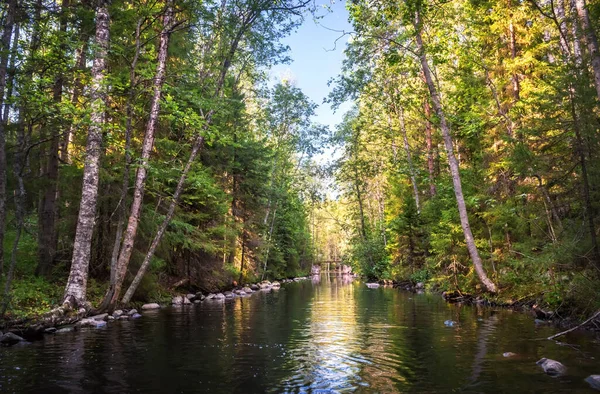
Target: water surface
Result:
[323, 336]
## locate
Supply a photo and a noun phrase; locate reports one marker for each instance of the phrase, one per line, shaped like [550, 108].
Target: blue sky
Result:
[317, 57]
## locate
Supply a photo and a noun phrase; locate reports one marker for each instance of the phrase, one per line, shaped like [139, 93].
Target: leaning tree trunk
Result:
[196, 147]
[411, 167]
[591, 41]
[114, 290]
[75, 291]
[453, 163]
[4, 55]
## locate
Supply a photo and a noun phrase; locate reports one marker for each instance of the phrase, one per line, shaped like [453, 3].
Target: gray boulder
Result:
[255, 287]
[247, 290]
[147, 307]
[102, 316]
[219, 296]
[551, 367]
[594, 381]
[210, 296]
[110, 318]
[92, 323]
[65, 329]
[228, 294]
[50, 330]
[124, 317]
[190, 296]
[276, 284]
[118, 313]
[10, 339]
[136, 316]
[132, 312]
[179, 300]
[240, 292]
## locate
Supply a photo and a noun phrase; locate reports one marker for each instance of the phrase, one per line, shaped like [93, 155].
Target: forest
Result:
[143, 148]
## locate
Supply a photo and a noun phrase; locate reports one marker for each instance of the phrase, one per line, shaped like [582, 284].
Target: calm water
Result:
[327, 336]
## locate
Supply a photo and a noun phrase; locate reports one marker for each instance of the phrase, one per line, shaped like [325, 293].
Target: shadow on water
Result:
[326, 335]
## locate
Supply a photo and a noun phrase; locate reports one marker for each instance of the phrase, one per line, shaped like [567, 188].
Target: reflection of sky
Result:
[325, 349]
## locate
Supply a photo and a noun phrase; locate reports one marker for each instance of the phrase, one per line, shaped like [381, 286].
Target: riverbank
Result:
[59, 320]
[532, 305]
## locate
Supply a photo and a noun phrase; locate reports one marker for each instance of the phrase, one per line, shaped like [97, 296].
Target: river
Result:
[328, 335]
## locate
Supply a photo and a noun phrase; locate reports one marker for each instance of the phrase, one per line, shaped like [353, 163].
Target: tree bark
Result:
[48, 210]
[429, 140]
[453, 163]
[114, 291]
[76, 288]
[4, 51]
[591, 41]
[411, 167]
[128, 131]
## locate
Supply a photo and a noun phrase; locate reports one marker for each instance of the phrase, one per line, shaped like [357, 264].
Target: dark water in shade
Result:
[327, 337]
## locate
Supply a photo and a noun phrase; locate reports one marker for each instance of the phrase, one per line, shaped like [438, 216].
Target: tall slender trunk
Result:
[47, 237]
[111, 297]
[80, 62]
[196, 147]
[20, 194]
[4, 55]
[580, 152]
[591, 41]
[76, 288]
[128, 131]
[453, 163]
[429, 141]
[411, 167]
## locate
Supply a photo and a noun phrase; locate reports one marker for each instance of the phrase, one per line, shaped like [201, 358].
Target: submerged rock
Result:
[551, 367]
[10, 339]
[102, 316]
[594, 381]
[372, 285]
[136, 316]
[509, 354]
[65, 329]
[50, 330]
[147, 307]
[450, 323]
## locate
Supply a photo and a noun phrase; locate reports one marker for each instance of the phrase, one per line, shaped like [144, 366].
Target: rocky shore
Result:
[58, 321]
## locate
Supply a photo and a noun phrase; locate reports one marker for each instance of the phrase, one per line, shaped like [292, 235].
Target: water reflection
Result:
[329, 334]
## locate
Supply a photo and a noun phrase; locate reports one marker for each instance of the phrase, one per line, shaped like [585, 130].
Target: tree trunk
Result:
[75, 291]
[453, 163]
[4, 55]
[591, 41]
[429, 139]
[47, 237]
[163, 226]
[411, 167]
[128, 131]
[111, 297]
